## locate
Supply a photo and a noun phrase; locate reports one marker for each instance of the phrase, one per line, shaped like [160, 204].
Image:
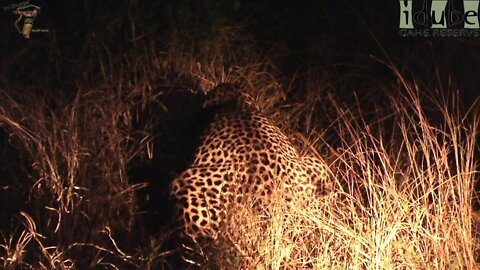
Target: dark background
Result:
[335, 35]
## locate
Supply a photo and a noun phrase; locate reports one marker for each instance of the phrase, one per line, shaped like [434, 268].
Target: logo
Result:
[27, 13]
[439, 18]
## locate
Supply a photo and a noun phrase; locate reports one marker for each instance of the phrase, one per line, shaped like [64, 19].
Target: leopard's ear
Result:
[222, 94]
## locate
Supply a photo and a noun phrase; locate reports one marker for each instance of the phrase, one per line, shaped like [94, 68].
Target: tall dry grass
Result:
[81, 209]
[78, 208]
[403, 173]
[404, 177]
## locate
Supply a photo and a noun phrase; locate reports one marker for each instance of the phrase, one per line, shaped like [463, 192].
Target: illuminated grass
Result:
[403, 197]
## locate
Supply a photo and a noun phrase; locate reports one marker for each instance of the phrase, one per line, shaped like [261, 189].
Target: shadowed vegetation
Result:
[98, 116]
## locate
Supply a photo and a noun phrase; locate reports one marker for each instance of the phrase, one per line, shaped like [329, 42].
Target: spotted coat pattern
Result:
[242, 154]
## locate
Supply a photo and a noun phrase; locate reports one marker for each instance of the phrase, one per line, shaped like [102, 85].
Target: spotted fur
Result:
[242, 154]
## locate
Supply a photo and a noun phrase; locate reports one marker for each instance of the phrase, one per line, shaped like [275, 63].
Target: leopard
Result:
[242, 153]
